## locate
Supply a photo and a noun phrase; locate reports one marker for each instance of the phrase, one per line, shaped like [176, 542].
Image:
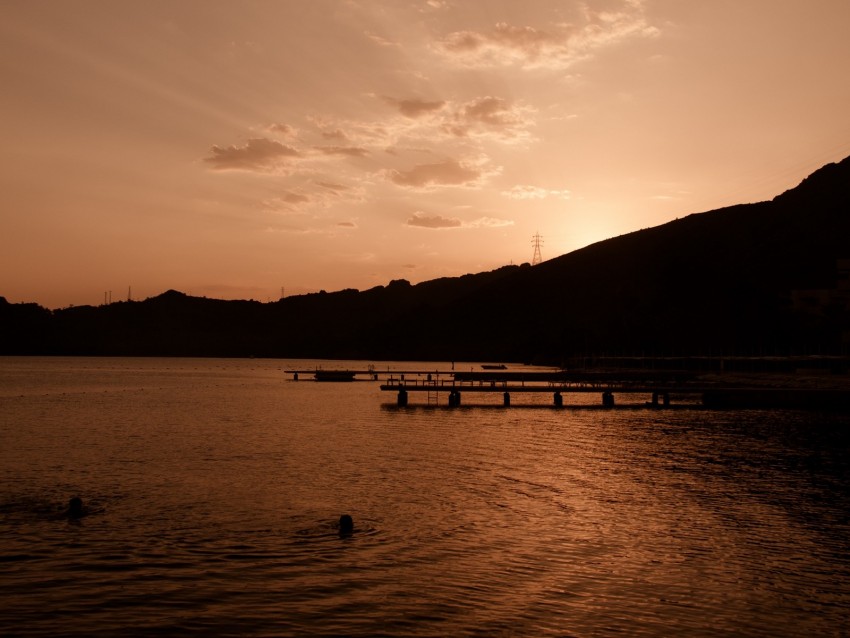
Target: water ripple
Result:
[217, 486]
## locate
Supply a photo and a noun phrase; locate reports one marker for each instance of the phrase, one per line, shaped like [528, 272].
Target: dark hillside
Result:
[722, 281]
[765, 278]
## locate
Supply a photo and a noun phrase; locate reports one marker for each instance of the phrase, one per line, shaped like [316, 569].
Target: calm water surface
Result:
[214, 486]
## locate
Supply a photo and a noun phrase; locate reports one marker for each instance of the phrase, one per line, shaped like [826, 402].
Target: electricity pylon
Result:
[537, 242]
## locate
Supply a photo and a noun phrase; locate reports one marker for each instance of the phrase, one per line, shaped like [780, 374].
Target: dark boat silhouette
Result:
[334, 375]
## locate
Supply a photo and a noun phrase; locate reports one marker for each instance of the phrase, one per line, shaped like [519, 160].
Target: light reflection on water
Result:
[220, 482]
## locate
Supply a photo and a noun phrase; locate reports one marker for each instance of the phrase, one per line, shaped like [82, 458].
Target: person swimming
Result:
[346, 525]
[75, 509]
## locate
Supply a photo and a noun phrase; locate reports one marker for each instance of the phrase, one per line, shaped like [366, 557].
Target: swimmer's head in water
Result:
[75, 507]
[346, 524]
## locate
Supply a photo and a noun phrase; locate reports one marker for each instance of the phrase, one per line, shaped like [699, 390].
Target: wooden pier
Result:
[369, 374]
[660, 388]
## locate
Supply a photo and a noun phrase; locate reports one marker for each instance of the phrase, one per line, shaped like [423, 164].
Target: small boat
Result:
[494, 366]
[334, 375]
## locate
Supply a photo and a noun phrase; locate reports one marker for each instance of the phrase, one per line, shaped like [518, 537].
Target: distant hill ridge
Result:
[751, 279]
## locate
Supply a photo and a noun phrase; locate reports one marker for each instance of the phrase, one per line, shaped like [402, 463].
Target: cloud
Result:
[447, 173]
[438, 222]
[381, 40]
[287, 200]
[331, 186]
[557, 48]
[672, 193]
[335, 134]
[350, 151]
[318, 228]
[312, 197]
[488, 116]
[258, 154]
[489, 222]
[422, 220]
[295, 198]
[284, 129]
[280, 228]
[502, 44]
[289, 204]
[415, 108]
[327, 194]
[489, 110]
[345, 133]
[534, 192]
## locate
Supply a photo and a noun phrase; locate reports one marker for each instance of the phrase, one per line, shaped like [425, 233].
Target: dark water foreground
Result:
[214, 486]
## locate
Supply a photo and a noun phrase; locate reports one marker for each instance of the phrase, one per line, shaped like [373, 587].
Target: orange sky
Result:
[228, 149]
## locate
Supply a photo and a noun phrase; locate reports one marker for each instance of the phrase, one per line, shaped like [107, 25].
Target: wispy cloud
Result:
[348, 151]
[420, 125]
[447, 173]
[423, 220]
[487, 116]
[558, 47]
[503, 44]
[287, 203]
[489, 222]
[312, 197]
[491, 116]
[534, 192]
[335, 134]
[381, 40]
[283, 129]
[438, 222]
[258, 154]
[288, 197]
[313, 227]
[414, 108]
[334, 187]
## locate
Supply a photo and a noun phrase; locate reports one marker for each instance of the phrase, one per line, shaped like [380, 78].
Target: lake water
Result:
[214, 487]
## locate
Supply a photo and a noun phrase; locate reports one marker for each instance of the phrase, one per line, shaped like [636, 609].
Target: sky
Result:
[244, 150]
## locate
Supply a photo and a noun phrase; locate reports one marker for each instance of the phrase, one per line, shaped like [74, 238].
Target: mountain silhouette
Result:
[769, 278]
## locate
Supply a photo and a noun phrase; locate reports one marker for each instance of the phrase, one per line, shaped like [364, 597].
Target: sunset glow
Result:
[234, 149]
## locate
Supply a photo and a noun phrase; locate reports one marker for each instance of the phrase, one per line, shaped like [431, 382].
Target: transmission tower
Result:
[537, 242]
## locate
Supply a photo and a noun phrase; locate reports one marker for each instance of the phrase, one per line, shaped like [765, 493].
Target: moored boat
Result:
[334, 375]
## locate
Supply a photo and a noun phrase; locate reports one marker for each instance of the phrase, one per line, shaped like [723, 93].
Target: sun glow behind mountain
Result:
[231, 151]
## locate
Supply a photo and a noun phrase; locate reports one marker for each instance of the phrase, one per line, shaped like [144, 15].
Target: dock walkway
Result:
[658, 388]
[369, 374]
[661, 388]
